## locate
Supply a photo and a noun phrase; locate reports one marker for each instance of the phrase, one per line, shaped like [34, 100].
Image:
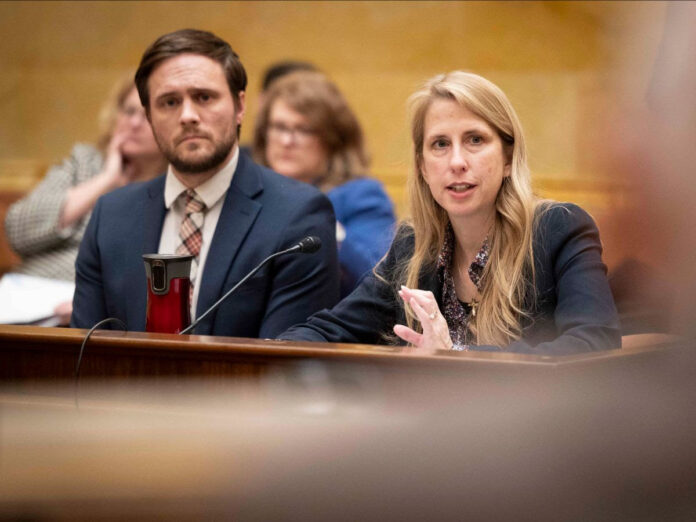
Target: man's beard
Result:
[205, 164]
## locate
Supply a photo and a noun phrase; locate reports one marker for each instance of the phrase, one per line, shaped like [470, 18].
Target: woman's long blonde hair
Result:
[509, 273]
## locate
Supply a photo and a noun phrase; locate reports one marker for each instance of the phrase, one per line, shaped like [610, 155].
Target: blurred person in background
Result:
[483, 264]
[278, 70]
[274, 72]
[672, 100]
[46, 226]
[651, 144]
[305, 130]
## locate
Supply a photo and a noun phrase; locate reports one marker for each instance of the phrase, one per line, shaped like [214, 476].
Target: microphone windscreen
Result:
[310, 244]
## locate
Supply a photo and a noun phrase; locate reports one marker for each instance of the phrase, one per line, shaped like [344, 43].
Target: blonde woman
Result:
[482, 264]
[46, 226]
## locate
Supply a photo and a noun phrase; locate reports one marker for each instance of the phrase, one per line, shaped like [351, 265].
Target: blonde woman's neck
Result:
[470, 232]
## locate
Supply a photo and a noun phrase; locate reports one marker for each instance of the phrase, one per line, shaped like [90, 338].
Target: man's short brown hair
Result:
[190, 41]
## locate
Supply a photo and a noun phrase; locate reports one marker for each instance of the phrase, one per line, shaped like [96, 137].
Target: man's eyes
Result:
[202, 97]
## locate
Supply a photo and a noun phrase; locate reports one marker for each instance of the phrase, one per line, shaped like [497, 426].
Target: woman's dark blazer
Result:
[573, 311]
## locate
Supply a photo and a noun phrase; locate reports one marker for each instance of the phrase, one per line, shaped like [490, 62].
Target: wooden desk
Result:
[479, 436]
[29, 352]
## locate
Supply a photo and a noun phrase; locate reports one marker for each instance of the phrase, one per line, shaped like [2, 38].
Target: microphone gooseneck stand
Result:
[308, 245]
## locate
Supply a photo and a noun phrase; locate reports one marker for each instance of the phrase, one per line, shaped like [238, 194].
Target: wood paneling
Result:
[556, 61]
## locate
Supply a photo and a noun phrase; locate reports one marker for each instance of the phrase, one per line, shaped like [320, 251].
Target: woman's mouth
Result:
[459, 188]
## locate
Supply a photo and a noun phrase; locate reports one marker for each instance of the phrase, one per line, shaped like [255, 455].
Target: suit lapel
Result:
[153, 218]
[154, 213]
[238, 214]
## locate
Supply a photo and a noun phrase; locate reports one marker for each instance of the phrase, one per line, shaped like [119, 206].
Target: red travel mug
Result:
[168, 285]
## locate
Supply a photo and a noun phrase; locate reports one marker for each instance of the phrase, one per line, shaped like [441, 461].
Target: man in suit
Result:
[213, 203]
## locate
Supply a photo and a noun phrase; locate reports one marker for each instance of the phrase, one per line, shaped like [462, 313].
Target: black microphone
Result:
[308, 245]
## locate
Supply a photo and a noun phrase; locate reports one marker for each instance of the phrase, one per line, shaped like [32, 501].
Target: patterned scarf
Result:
[457, 313]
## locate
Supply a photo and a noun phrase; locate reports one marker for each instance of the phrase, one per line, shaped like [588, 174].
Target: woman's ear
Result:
[506, 170]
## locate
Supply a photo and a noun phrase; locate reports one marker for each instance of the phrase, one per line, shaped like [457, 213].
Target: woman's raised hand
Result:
[435, 334]
[116, 169]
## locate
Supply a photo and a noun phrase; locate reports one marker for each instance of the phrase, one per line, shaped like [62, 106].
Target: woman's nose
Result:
[459, 160]
[287, 138]
[138, 119]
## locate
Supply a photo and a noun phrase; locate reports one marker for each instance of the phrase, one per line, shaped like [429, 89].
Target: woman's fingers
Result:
[421, 295]
[435, 334]
[116, 141]
[424, 298]
[423, 316]
[408, 335]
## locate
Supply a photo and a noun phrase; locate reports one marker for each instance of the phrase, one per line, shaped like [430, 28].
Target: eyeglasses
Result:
[301, 135]
[129, 111]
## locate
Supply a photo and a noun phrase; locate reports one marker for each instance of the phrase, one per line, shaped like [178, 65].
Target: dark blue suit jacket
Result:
[263, 212]
[573, 311]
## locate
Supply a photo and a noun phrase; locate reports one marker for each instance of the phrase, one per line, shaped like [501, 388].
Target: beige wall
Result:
[554, 59]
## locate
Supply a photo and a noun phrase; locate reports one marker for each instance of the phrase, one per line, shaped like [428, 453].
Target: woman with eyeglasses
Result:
[46, 226]
[482, 264]
[306, 130]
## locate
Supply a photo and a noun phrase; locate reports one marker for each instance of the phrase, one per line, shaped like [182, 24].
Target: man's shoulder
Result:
[134, 192]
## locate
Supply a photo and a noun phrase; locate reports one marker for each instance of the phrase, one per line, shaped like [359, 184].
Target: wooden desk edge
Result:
[212, 345]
